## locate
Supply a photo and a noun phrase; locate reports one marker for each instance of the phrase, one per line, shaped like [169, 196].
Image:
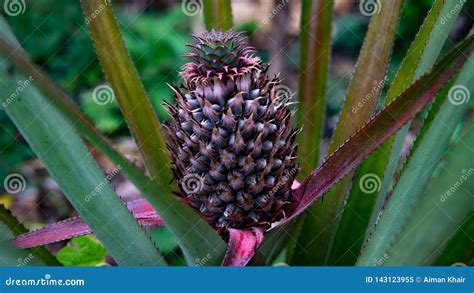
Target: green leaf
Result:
[128, 89]
[68, 161]
[416, 173]
[367, 82]
[440, 212]
[422, 54]
[360, 203]
[17, 228]
[197, 239]
[82, 251]
[378, 129]
[218, 14]
[315, 50]
[195, 236]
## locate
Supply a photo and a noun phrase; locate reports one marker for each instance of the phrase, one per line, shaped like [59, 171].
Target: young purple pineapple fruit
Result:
[230, 136]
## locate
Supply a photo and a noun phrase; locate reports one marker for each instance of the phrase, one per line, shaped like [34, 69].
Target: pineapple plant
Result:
[232, 133]
[236, 149]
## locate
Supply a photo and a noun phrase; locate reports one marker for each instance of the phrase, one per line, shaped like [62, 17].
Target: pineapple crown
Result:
[220, 55]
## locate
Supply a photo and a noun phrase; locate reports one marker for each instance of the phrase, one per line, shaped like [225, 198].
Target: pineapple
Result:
[230, 136]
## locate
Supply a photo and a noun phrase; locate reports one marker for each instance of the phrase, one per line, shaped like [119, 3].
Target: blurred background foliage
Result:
[55, 35]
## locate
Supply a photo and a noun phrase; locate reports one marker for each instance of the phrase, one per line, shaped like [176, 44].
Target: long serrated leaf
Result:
[364, 90]
[359, 208]
[141, 210]
[420, 57]
[218, 14]
[185, 224]
[418, 170]
[56, 143]
[128, 89]
[11, 256]
[378, 129]
[17, 228]
[440, 211]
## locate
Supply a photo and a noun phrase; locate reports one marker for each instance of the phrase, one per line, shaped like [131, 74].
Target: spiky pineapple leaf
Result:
[417, 171]
[196, 238]
[364, 90]
[127, 88]
[361, 201]
[379, 128]
[17, 228]
[427, 45]
[218, 14]
[56, 143]
[141, 210]
[440, 212]
[82, 251]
